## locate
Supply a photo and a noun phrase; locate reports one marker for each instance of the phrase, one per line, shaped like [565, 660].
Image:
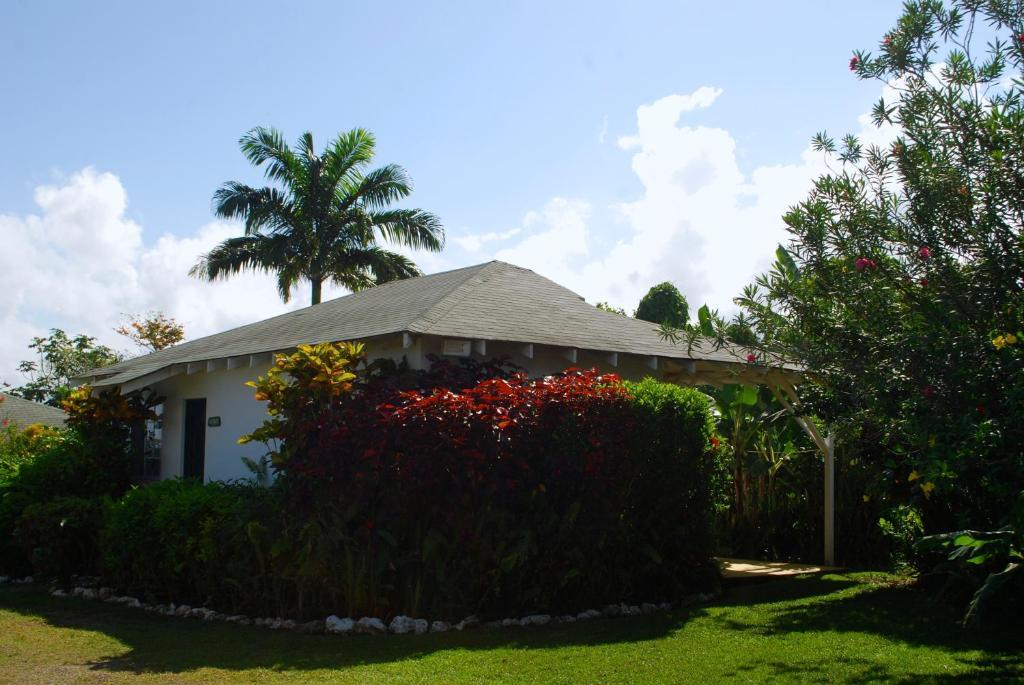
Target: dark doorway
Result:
[195, 438]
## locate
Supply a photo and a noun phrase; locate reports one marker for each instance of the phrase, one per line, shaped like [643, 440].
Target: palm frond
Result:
[267, 146]
[306, 146]
[287, 278]
[248, 252]
[379, 188]
[346, 154]
[259, 208]
[365, 267]
[413, 228]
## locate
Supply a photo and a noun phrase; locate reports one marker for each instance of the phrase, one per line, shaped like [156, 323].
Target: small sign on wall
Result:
[213, 422]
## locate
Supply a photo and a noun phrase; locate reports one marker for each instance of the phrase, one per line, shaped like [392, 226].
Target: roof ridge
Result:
[443, 306]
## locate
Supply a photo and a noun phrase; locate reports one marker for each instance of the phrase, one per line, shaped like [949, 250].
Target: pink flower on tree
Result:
[864, 263]
[924, 252]
[854, 62]
[751, 357]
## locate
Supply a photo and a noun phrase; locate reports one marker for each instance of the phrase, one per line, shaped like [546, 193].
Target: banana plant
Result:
[997, 555]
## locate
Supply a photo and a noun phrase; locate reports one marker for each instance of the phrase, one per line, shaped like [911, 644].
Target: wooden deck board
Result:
[750, 568]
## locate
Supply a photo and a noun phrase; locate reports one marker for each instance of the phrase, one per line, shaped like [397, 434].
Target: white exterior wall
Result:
[228, 397]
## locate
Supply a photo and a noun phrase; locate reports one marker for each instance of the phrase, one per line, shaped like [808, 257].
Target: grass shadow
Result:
[830, 604]
[159, 644]
[875, 605]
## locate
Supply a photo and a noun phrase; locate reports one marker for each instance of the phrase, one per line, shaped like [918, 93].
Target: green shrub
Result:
[682, 478]
[21, 445]
[69, 466]
[59, 536]
[218, 544]
[73, 466]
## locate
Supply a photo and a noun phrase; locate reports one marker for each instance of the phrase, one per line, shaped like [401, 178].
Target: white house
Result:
[484, 311]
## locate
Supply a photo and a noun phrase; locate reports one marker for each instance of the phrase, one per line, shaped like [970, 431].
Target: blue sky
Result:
[514, 119]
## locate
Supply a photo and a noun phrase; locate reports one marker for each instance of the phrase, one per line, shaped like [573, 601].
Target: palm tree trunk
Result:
[317, 287]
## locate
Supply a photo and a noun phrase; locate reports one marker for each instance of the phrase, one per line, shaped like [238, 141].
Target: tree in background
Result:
[901, 287]
[664, 304]
[154, 331]
[605, 307]
[322, 218]
[59, 359]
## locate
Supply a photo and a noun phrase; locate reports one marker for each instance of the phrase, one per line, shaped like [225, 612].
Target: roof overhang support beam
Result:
[216, 365]
[480, 347]
[613, 359]
[150, 378]
[406, 340]
[237, 362]
[527, 350]
[195, 367]
[571, 353]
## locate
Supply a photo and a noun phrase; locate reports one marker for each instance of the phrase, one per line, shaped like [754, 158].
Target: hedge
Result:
[512, 495]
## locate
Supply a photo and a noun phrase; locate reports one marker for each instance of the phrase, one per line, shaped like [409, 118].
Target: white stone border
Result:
[367, 625]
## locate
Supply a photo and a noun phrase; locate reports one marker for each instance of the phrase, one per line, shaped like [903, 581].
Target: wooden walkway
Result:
[750, 569]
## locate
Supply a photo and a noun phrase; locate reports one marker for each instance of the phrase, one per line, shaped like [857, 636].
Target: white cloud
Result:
[80, 264]
[554, 236]
[700, 222]
[473, 242]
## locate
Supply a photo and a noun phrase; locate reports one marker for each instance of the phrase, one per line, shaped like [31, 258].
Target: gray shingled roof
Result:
[25, 413]
[493, 301]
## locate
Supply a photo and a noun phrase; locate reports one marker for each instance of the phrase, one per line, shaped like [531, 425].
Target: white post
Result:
[830, 500]
[827, 447]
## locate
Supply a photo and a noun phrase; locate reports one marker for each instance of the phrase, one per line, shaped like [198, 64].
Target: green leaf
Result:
[786, 261]
[992, 585]
[651, 553]
[704, 321]
[747, 395]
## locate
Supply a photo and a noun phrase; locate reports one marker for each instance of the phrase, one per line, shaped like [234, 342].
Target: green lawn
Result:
[849, 628]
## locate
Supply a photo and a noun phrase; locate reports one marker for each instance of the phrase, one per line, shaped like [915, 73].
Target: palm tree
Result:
[322, 218]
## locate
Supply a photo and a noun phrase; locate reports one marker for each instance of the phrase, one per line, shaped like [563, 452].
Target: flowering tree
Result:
[902, 286]
[153, 332]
